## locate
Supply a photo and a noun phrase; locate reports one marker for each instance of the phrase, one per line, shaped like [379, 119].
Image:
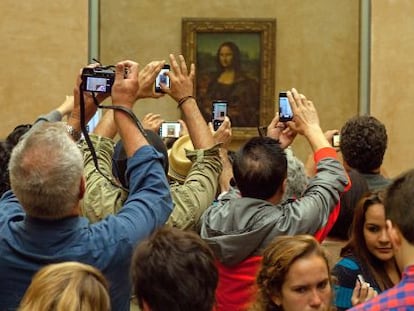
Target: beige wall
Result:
[317, 45]
[392, 78]
[44, 43]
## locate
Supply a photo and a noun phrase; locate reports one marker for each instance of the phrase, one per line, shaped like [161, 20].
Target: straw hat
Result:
[179, 164]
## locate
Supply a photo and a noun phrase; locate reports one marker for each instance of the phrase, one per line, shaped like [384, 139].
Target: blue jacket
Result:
[27, 244]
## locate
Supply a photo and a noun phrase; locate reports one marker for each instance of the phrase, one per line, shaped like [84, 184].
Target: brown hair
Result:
[278, 257]
[357, 245]
[67, 286]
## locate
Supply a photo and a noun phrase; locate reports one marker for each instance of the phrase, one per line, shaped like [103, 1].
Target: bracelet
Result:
[184, 99]
[75, 134]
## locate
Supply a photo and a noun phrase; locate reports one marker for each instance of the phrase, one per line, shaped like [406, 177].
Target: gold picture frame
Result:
[250, 88]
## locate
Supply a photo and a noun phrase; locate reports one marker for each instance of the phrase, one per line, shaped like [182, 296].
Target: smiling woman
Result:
[368, 252]
[294, 276]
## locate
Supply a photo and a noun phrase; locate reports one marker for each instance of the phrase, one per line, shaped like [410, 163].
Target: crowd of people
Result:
[120, 218]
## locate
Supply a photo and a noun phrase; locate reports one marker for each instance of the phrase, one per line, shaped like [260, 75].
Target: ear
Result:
[284, 186]
[276, 299]
[394, 234]
[82, 187]
[145, 306]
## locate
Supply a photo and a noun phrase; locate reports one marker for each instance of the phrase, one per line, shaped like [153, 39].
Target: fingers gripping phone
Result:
[219, 112]
[170, 129]
[285, 110]
[162, 78]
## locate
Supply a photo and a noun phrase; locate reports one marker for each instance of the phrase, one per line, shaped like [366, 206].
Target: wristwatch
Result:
[76, 135]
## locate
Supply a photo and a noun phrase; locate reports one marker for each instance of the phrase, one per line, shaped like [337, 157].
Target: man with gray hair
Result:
[39, 218]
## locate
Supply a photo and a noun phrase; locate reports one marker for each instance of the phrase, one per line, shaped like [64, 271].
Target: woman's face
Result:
[306, 286]
[375, 233]
[226, 56]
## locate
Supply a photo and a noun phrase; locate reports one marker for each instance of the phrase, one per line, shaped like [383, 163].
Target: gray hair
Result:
[46, 168]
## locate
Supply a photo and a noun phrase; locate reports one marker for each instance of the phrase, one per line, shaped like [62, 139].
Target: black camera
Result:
[98, 79]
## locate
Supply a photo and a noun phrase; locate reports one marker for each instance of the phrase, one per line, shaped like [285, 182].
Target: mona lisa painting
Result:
[234, 62]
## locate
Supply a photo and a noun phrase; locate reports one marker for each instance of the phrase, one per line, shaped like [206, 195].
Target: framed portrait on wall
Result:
[234, 61]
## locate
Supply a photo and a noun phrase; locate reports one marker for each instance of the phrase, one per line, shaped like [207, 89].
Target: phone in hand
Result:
[360, 279]
[336, 140]
[162, 78]
[219, 112]
[170, 129]
[285, 110]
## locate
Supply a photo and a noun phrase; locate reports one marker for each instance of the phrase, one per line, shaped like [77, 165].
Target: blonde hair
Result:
[67, 286]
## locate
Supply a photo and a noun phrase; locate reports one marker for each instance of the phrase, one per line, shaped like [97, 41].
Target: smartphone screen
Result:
[285, 111]
[336, 140]
[170, 129]
[162, 78]
[219, 113]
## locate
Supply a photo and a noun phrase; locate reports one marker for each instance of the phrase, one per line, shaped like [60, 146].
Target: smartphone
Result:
[219, 112]
[285, 111]
[336, 140]
[162, 78]
[360, 279]
[170, 129]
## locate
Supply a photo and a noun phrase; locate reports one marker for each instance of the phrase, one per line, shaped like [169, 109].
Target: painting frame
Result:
[265, 31]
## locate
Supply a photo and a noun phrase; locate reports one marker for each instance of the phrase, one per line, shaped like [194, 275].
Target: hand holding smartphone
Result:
[219, 112]
[162, 78]
[336, 140]
[285, 110]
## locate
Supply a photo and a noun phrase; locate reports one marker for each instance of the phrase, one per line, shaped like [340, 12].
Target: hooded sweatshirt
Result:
[238, 228]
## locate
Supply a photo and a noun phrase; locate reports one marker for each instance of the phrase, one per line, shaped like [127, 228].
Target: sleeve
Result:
[102, 197]
[149, 202]
[345, 272]
[198, 192]
[311, 212]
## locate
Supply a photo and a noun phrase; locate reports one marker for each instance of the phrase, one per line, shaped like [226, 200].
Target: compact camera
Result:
[98, 79]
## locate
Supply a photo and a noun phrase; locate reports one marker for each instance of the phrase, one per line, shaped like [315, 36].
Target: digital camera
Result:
[98, 79]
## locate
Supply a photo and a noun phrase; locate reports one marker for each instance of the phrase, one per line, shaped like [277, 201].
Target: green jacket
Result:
[103, 197]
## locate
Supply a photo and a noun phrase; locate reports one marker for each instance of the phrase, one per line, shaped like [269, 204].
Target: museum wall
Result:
[392, 79]
[317, 51]
[317, 46]
[44, 43]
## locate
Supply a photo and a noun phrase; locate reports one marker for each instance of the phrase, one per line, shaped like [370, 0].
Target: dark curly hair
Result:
[363, 143]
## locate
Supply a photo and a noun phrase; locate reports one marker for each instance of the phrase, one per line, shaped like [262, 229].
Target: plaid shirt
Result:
[398, 298]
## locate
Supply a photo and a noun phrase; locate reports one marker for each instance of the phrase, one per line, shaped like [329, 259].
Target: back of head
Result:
[174, 270]
[69, 286]
[349, 201]
[363, 143]
[399, 204]
[278, 257]
[259, 168]
[119, 158]
[46, 169]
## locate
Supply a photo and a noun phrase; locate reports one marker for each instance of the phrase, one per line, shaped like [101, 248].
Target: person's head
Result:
[69, 286]
[174, 270]
[369, 239]
[17, 133]
[399, 210]
[228, 56]
[119, 158]
[294, 275]
[363, 143]
[260, 168]
[46, 172]
[349, 200]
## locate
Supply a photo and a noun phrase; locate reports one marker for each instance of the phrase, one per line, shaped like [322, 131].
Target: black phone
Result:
[285, 110]
[219, 112]
[336, 140]
[162, 78]
[170, 129]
